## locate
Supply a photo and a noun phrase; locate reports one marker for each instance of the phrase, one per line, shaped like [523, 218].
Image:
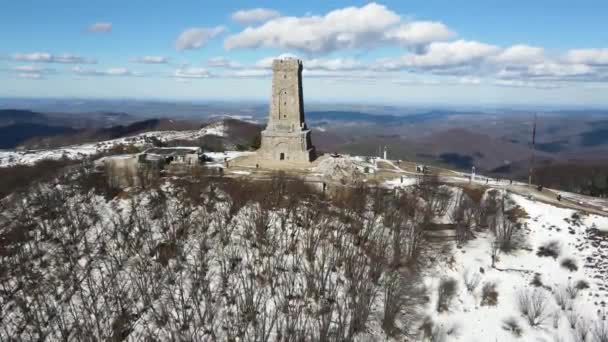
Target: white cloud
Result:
[333, 64]
[30, 75]
[45, 57]
[252, 73]
[196, 37]
[552, 69]
[266, 63]
[255, 15]
[107, 72]
[526, 84]
[588, 56]
[192, 73]
[346, 28]
[100, 27]
[411, 81]
[150, 60]
[439, 81]
[32, 69]
[521, 54]
[469, 80]
[223, 62]
[419, 32]
[441, 55]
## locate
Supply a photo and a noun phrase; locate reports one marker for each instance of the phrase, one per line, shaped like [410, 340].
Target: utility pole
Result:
[531, 171]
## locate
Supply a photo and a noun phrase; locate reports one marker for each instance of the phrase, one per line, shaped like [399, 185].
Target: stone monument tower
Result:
[286, 137]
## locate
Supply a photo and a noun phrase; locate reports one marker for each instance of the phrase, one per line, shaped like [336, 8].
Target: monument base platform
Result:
[291, 146]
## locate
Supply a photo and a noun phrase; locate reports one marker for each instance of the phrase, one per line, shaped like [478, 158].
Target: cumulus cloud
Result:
[32, 69]
[521, 54]
[588, 56]
[432, 49]
[346, 28]
[254, 15]
[525, 84]
[45, 57]
[30, 75]
[192, 73]
[107, 72]
[196, 37]
[419, 32]
[252, 73]
[443, 81]
[552, 69]
[333, 64]
[457, 62]
[100, 27]
[150, 60]
[223, 62]
[266, 63]
[441, 55]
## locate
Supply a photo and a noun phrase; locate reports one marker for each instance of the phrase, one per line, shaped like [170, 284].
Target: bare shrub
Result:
[569, 264]
[445, 292]
[555, 317]
[471, 279]
[549, 249]
[562, 299]
[572, 291]
[581, 285]
[506, 225]
[504, 235]
[537, 281]
[489, 294]
[465, 216]
[392, 304]
[533, 306]
[510, 324]
[581, 332]
[572, 318]
[402, 296]
[600, 331]
[433, 332]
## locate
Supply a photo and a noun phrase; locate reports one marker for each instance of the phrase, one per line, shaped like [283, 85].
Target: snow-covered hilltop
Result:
[220, 258]
[79, 152]
[229, 252]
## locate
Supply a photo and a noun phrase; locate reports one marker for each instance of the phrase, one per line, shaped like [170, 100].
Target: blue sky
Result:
[397, 52]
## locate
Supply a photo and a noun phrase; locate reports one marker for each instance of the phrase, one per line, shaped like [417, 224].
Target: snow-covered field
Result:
[78, 152]
[468, 320]
[212, 264]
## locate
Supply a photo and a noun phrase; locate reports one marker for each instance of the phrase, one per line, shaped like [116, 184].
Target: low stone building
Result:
[138, 169]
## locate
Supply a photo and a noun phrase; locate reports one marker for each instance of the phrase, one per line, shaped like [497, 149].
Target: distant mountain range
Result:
[490, 141]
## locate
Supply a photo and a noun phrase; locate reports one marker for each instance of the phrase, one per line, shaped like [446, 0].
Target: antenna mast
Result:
[531, 170]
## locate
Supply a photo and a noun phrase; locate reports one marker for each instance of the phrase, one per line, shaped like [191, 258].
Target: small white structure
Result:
[174, 155]
[135, 169]
[421, 168]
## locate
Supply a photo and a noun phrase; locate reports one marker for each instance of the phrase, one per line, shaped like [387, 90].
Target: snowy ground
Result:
[468, 321]
[77, 152]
